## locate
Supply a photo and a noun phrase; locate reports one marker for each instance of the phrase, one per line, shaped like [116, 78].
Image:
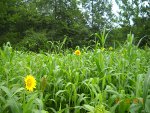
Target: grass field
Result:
[91, 81]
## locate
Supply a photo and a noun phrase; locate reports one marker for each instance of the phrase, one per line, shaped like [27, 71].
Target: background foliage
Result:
[76, 20]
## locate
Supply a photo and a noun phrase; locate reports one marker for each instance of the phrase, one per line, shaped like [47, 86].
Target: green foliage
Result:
[143, 107]
[98, 14]
[33, 42]
[97, 109]
[134, 17]
[56, 18]
[95, 81]
[102, 37]
[141, 29]
[75, 19]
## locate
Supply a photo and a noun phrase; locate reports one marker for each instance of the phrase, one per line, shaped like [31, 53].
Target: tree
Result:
[134, 15]
[98, 13]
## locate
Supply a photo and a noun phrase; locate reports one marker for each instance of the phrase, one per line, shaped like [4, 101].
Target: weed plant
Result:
[94, 81]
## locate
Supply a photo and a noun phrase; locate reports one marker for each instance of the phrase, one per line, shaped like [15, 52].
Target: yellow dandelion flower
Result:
[30, 82]
[77, 52]
[110, 48]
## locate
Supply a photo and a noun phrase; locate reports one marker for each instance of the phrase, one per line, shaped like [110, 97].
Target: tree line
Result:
[33, 24]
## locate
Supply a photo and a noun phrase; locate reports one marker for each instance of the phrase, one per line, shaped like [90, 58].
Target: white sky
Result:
[115, 8]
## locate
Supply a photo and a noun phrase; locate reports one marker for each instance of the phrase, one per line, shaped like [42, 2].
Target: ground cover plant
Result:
[99, 80]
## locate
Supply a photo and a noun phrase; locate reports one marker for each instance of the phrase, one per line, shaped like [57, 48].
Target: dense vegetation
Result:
[102, 80]
[74, 56]
[34, 24]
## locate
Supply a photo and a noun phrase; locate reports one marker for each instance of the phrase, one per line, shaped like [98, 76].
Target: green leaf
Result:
[134, 108]
[59, 92]
[88, 108]
[146, 86]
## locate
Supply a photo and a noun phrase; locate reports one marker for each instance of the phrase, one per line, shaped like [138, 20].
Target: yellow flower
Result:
[30, 82]
[77, 52]
[110, 48]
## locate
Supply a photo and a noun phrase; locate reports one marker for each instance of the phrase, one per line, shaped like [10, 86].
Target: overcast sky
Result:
[115, 8]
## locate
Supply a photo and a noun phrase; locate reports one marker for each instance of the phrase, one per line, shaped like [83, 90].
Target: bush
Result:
[11, 37]
[33, 41]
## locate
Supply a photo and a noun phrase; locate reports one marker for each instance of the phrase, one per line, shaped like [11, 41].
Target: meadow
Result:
[99, 80]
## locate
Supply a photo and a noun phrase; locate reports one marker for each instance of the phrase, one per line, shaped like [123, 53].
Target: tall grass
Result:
[96, 81]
